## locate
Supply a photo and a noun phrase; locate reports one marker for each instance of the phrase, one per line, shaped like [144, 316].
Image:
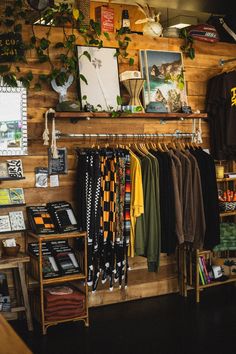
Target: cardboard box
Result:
[105, 16]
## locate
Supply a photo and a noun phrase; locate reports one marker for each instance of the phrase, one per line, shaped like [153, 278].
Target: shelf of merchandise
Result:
[63, 279]
[189, 272]
[164, 116]
[228, 213]
[226, 179]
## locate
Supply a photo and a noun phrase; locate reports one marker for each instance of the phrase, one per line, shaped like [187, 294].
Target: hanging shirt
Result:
[187, 197]
[137, 203]
[198, 207]
[176, 170]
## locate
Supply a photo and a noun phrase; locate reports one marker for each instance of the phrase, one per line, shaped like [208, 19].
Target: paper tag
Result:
[54, 181]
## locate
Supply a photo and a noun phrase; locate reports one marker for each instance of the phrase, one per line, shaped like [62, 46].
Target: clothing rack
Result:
[225, 61]
[103, 135]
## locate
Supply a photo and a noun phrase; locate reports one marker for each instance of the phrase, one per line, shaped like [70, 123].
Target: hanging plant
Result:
[72, 23]
[187, 49]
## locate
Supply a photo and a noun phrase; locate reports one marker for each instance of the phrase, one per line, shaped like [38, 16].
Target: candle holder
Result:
[134, 87]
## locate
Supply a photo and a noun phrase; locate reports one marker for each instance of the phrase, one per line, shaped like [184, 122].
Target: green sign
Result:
[11, 47]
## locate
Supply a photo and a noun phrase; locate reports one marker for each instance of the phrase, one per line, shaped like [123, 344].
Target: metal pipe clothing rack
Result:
[141, 136]
[225, 61]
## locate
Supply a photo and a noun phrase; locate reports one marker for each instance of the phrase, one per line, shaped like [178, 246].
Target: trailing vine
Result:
[71, 21]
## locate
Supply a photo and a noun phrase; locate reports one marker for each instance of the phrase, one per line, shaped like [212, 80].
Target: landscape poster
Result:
[164, 80]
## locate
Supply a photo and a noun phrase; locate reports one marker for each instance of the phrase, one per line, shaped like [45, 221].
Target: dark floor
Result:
[162, 325]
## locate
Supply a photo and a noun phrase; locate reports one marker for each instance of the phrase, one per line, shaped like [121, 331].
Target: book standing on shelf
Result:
[58, 258]
[40, 220]
[53, 218]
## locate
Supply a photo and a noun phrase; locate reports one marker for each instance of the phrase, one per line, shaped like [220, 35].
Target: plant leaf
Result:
[86, 53]
[83, 78]
[131, 61]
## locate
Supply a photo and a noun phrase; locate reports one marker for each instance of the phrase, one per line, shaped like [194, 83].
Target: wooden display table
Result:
[17, 263]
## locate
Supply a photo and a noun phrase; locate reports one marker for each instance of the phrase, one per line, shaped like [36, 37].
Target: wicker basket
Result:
[227, 206]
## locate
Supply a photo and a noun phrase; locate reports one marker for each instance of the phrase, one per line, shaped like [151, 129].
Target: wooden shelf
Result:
[10, 179]
[78, 318]
[226, 179]
[63, 279]
[12, 205]
[57, 236]
[227, 213]
[165, 116]
[216, 283]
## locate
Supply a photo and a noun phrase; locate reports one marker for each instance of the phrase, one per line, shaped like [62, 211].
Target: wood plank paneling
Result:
[197, 72]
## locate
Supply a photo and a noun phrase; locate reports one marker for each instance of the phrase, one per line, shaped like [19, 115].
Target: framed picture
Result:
[13, 120]
[101, 74]
[164, 87]
[17, 220]
[5, 225]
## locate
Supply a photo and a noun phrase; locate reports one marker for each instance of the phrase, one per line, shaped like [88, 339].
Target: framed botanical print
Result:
[164, 87]
[100, 84]
[13, 120]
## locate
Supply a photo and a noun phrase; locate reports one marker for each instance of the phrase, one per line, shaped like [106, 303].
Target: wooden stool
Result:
[15, 263]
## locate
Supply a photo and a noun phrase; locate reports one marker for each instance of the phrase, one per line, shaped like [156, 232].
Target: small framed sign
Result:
[58, 166]
[11, 47]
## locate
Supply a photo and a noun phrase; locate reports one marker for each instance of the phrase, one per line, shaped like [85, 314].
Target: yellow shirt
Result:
[136, 203]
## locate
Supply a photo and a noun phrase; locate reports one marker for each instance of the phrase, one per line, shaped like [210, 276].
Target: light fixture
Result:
[182, 21]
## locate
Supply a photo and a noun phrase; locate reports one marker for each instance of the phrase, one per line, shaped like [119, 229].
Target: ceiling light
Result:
[182, 21]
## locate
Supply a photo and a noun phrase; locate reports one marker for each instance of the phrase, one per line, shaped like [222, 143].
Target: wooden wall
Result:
[197, 72]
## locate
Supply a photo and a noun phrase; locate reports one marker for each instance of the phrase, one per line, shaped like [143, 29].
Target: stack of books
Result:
[203, 272]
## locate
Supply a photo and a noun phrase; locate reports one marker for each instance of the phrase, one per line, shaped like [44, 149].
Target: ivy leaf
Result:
[59, 45]
[131, 61]
[9, 11]
[191, 53]
[86, 53]
[93, 41]
[10, 80]
[83, 79]
[18, 69]
[72, 38]
[24, 82]
[4, 68]
[18, 27]
[106, 34]
[44, 43]
[63, 58]
[84, 98]
[29, 76]
[127, 39]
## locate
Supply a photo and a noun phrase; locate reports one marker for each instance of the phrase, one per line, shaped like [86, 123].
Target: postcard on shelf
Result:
[5, 223]
[3, 170]
[17, 220]
[15, 168]
[17, 196]
[5, 196]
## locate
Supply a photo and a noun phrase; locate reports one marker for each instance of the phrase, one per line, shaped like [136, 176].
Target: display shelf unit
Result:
[11, 178]
[78, 277]
[162, 116]
[190, 272]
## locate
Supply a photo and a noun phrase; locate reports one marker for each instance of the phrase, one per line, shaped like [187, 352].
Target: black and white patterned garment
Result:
[88, 191]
